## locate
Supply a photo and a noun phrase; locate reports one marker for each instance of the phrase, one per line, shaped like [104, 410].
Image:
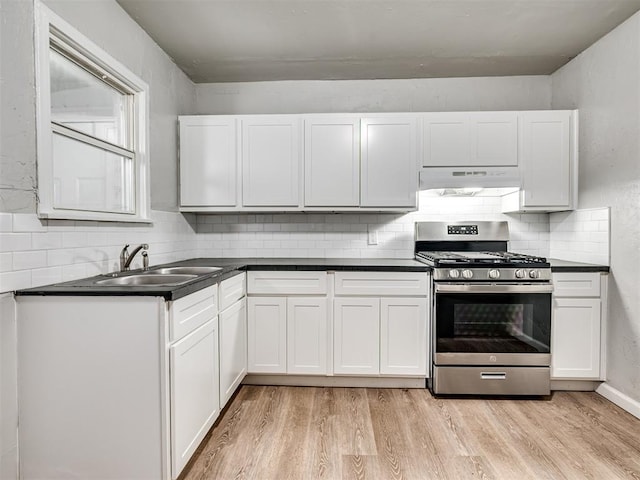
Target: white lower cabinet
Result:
[356, 337]
[288, 335]
[385, 336]
[577, 326]
[267, 334]
[194, 391]
[115, 386]
[403, 336]
[377, 324]
[381, 323]
[307, 335]
[233, 349]
[287, 322]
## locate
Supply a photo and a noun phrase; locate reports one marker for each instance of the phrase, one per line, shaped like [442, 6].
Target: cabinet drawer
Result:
[231, 290]
[381, 283]
[576, 284]
[287, 283]
[188, 313]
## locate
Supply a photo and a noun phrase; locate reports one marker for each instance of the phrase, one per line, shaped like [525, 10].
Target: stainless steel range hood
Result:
[469, 177]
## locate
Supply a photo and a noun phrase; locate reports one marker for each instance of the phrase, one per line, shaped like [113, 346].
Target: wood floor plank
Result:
[354, 430]
[354, 433]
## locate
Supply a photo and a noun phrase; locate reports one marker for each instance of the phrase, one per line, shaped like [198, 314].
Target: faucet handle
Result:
[145, 260]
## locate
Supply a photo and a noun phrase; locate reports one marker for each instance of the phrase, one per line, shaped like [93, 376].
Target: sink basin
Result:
[146, 279]
[185, 270]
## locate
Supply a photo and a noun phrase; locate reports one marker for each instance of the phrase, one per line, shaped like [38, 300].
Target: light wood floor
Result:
[344, 433]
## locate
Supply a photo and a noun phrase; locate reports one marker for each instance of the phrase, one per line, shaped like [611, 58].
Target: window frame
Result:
[49, 27]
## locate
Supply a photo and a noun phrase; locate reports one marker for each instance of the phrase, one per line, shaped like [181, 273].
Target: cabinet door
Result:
[356, 343]
[194, 392]
[307, 335]
[446, 139]
[494, 139]
[575, 338]
[267, 334]
[470, 139]
[233, 349]
[332, 161]
[208, 161]
[389, 173]
[546, 153]
[403, 336]
[270, 160]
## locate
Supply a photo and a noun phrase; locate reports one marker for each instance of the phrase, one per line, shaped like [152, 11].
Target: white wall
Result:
[109, 26]
[18, 111]
[415, 95]
[603, 82]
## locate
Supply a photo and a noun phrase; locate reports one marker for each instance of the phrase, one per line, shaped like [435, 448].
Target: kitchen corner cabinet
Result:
[380, 323]
[577, 338]
[271, 161]
[124, 377]
[208, 161]
[548, 155]
[470, 139]
[287, 322]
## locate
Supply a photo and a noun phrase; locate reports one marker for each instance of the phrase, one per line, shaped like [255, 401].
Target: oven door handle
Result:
[493, 288]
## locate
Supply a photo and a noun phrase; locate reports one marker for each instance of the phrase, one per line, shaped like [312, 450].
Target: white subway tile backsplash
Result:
[30, 259]
[65, 250]
[580, 236]
[6, 262]
[10, 242]
[46, 276]
[16, 280]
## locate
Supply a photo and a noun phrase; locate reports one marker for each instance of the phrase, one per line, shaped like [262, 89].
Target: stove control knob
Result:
[493, 273]
[454, 273]
[467, 273]
[521, 273]
[534, 274]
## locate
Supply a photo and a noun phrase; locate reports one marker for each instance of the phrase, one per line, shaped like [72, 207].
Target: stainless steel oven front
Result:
[492, 338]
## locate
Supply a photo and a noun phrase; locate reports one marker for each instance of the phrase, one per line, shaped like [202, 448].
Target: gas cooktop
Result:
[480, 259]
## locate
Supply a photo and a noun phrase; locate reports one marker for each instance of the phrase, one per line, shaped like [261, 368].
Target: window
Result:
[92, 129]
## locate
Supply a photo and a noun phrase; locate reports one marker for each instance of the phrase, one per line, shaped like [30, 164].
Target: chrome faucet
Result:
[126, 258]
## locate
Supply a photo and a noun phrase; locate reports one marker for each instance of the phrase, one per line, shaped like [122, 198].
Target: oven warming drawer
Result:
[491, 380]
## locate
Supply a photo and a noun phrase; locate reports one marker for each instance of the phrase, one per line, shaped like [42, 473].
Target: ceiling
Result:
[256, 40]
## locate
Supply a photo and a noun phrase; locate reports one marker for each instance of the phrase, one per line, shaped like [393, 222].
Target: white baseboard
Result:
[324, 381]
[623, 401]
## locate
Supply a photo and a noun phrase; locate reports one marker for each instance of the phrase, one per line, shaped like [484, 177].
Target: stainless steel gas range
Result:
[491, 326]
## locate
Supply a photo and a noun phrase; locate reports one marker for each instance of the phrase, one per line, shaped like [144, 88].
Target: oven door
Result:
[492, 324]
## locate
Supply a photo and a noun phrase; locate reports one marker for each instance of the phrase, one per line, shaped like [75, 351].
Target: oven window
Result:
[493, 323]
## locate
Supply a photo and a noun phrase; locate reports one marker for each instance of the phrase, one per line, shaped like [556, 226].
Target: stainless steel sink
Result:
[146, 279]
[184, 270]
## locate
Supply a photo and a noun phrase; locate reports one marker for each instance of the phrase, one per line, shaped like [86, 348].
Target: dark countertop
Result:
[230, 268]
[569, 266]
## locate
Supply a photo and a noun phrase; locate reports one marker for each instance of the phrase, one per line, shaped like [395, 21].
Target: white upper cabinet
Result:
[548, 159]
[389, 166]
[271, 154]
[470, 139]
[332, 161]
[208, 161]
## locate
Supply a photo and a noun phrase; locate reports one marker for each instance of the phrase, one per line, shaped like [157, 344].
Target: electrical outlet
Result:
[372, 237]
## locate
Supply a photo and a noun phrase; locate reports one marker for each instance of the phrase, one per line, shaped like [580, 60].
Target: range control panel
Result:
[462, 229]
